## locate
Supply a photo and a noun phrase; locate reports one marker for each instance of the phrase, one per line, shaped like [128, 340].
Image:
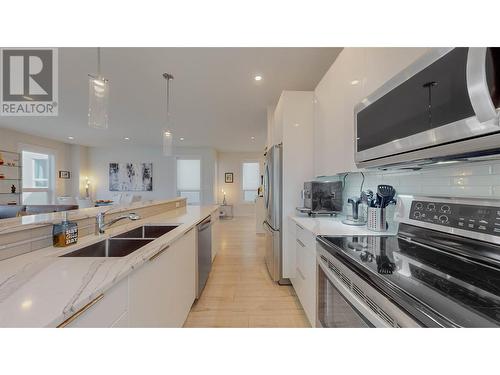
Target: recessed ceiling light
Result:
[355, 82]
[252, 138]
[26, 304]
[181, 138]
[258, 78]
[71, 138]
[296, 125]
[127, 138]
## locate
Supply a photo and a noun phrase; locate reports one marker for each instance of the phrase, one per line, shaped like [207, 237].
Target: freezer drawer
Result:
[273, 251]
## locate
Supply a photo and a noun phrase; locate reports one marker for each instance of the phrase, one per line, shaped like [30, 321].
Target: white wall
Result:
[233, 162]
[79, 167]
[11, 140]
[164, 169]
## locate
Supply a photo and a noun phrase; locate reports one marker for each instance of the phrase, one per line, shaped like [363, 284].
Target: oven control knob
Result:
[443, 219]
[417, 215]
[445, 208]
[419, 206]
[431, 206]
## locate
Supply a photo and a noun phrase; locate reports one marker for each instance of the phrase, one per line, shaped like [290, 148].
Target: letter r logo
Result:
[27, 75]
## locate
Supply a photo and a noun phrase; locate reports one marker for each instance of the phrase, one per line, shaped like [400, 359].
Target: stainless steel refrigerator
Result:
[273, 202]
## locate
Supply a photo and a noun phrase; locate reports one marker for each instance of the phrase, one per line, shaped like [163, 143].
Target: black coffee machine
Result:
[322, 198]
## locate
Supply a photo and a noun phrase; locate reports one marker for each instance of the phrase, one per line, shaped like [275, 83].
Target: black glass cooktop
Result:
[464, 291]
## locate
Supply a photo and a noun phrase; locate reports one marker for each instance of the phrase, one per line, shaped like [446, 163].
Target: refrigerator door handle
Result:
[268, 227]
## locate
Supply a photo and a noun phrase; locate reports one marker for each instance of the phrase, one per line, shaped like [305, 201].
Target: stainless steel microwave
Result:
[444, 106]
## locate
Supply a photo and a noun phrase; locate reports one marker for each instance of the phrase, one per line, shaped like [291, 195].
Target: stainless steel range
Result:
[442, 269]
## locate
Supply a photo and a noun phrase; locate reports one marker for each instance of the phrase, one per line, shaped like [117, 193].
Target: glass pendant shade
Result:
[98, 98]
[98, 102]
[168, 147]
[168, 143]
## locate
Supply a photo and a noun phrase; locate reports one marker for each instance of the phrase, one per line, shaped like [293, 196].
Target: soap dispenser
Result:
[65, 233]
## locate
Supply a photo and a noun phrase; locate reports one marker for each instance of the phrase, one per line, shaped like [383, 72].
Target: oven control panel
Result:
[483, 219]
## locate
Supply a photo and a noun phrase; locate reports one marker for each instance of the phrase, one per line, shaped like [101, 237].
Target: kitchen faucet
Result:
[100, 225]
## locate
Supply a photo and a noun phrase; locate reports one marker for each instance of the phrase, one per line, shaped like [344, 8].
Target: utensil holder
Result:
[376, 220]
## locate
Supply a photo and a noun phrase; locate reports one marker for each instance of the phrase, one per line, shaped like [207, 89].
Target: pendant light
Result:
[98, 97]
[167, 131]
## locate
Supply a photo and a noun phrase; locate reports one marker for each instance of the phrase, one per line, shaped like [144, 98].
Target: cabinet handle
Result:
[153, 257]
[300, 273]
[300, 243]
[81, 311]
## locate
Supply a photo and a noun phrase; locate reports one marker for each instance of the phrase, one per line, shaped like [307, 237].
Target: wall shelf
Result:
[11, 167]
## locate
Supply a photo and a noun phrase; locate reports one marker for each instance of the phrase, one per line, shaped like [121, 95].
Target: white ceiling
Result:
[215, 100]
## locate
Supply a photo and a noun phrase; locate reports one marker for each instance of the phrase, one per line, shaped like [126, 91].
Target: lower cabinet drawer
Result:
[106, 311]
[304, 236]
[306, 279]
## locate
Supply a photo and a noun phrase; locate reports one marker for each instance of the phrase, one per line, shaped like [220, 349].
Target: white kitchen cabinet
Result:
[295, 117]
[304, 281]
[340, 90]
[329, 124]
[270, 141]
[105, 310]
[163, 290]
[277, 121]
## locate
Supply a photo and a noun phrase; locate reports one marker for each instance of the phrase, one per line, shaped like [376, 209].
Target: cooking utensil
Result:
[384, 264]
[385, 193]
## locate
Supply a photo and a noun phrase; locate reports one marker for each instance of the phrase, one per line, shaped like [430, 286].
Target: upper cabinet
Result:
[355, 74]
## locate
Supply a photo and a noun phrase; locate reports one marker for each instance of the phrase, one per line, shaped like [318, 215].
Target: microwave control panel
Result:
[482, 219]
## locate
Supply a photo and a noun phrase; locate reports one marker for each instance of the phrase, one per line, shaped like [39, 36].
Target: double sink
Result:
[123, 244]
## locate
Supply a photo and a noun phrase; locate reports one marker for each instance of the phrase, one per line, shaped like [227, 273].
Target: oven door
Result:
[336, 310]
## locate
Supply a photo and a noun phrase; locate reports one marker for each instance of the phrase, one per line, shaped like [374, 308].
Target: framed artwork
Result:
[65, 174]
[228, 178]
[130, 176]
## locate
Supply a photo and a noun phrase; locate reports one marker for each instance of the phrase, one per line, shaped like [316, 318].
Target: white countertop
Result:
[333, 226]
[40, 289]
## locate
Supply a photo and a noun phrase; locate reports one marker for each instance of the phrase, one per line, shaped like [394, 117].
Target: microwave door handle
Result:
[477, 85]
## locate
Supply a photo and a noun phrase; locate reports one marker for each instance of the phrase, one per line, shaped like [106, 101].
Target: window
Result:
[38, 178]
[41, 172]
[189, 180]
[250, 181]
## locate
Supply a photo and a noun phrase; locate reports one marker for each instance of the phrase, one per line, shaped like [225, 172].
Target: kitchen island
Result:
[41, 289]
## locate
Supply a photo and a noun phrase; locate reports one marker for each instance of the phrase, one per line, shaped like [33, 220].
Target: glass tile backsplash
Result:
[477, 179]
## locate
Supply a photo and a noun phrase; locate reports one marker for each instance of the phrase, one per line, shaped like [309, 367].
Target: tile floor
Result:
[239, 291]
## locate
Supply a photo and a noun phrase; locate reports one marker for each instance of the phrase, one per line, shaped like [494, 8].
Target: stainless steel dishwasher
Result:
[204, 253]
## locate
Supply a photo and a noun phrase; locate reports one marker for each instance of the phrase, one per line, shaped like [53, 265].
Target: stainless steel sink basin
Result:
[113, 247]
[147, 231]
